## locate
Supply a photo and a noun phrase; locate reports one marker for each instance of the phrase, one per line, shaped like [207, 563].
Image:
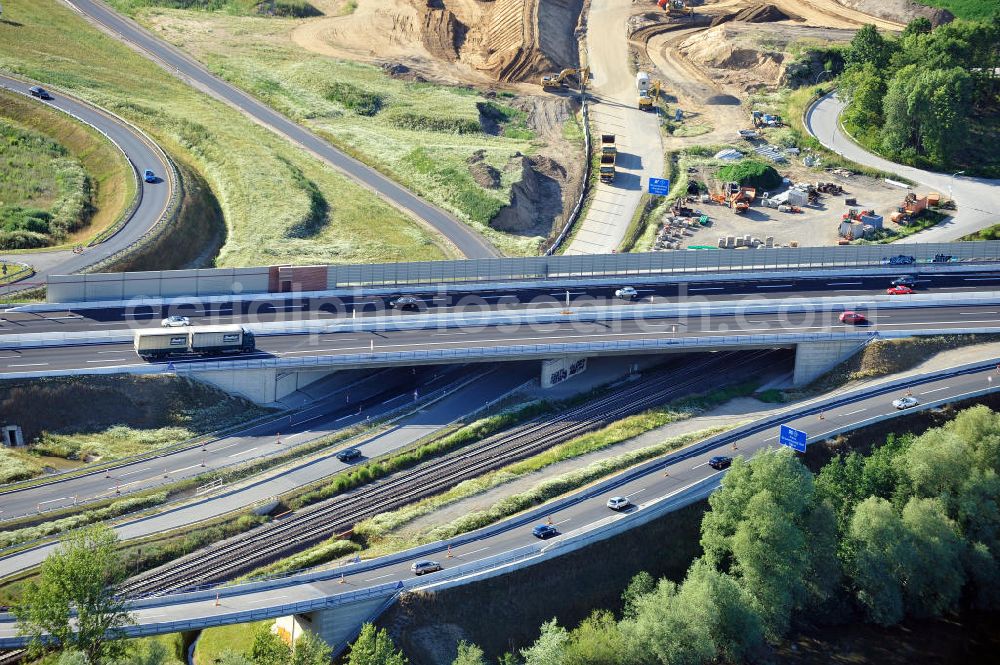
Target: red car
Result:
[899, 290]
[853, 318]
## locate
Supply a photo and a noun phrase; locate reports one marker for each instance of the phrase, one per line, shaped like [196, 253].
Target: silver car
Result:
[905, 402]
[626, 293]
[421, 567]
[618, 503]
[175, 321]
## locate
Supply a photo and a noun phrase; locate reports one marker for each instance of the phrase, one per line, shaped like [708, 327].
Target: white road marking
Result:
[62, 498]
[853, 412]
[132, 473]
[372, 579]
[29, 365]
[264, 600]
[774, 286]
[392, 399]
[771, 438]
[928, 392]
[474, 551]
[244, 452]
[343, 418]
[844, 284]
[193, 466]
[702, 464]
[708, 288]
[106, 360]
[631, 494]
[235, 443]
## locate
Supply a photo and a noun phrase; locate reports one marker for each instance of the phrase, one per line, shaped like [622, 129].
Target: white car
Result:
[175, 321]
[905, 402]
[626, 293]
[618, 503]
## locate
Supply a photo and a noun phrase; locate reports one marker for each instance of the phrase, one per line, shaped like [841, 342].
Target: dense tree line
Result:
[912, 530]
[920, 97]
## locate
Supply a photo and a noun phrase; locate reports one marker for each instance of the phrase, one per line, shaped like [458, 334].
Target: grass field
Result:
[215, 641]
[968, 9]
[59, 166]
[418, 133]
[255, 175]
[109, 417]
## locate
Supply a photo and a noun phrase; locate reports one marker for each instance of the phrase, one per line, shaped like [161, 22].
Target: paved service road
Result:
[481, 387]
[978, 199]
[291, 308]
[371, 348]
[615, 111]
[467, 241]
[684, 468]
[141, 155]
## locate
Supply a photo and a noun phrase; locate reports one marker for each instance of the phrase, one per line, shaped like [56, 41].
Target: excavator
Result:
[558, 81]
[674, 6]
[648, 99]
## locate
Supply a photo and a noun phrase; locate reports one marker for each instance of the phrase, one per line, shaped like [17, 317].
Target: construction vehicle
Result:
[608, 154]
[761, 119]
[674, 7]
[558, 81]
[912, 206]
[647, 100]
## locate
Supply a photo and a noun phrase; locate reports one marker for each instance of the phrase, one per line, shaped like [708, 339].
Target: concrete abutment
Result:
[261, 386]
[814, 359]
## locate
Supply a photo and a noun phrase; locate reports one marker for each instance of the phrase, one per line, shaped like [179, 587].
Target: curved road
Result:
[978, 199]
[141, 154]
[673, 475]
[465, 239]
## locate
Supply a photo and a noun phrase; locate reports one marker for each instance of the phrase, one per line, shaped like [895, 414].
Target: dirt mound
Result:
[441, 34]
[484, 174]
[765, 13]
[740, 63]
[900, 11]
[536, 201]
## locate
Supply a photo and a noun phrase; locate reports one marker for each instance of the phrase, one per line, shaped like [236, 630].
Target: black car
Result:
[40, 92]
[720, 462]
[905, 280]
[348, 455]
[405, 302]
[544, 531]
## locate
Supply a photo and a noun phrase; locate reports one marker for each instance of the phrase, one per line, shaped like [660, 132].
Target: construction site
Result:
[660, 76]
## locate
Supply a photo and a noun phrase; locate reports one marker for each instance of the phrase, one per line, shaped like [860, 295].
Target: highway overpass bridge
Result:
[790, 298]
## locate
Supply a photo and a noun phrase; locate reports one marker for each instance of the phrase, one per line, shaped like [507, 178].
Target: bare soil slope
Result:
[900, 11]
[468, 40]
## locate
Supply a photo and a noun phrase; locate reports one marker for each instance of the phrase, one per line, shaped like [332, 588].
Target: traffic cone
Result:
[450, 555]
[216, 598]
[342, 579]
[277, 441]
[203, 462]
[107, 474]
[549, 520]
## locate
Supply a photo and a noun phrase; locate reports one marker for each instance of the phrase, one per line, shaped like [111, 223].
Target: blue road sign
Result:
[659, 186]
[793, 438]
[171, 368]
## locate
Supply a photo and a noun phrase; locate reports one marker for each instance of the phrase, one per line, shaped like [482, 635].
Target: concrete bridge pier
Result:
[557, 370]
[262, 386]
[814, 359]
[337, 625]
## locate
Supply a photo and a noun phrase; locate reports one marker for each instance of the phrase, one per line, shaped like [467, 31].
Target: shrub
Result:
[354, 98]
[752, 173]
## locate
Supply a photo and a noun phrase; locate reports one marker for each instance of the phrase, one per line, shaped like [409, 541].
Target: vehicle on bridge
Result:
[854, 318]
[202, 340]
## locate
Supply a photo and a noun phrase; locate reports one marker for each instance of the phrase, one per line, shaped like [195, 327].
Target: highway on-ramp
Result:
[141, 154]
[978, 199]
[671, 475]
[186, 68]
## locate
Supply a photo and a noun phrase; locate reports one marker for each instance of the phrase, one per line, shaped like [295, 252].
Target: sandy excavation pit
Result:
[475, 41]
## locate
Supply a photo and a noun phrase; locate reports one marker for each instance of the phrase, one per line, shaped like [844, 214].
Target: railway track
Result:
[338, 515]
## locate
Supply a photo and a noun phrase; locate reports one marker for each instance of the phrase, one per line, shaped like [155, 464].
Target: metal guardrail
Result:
[575, 214]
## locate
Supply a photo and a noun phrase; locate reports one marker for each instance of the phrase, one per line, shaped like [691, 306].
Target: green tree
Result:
[875, 544]
[233, 658]
[596, 641]
[723, 611]
[269, 649]
[663, 632]
[927, 112]
[865, 86]
[549, 648]
[934, 575]
[469, 654]
[918, 26]
[74, 598]
[374, 647]
[869, 46]
[641, 584]
[148, 652]
[311, 650]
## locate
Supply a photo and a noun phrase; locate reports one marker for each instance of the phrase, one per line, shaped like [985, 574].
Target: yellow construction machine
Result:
[558, 81]
[675, 7]
[648, 99]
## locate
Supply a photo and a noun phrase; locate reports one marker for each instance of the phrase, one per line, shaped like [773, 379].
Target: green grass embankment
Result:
[255, 175]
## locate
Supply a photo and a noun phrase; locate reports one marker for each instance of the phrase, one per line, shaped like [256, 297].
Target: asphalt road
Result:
[474, 389]
[177, 63]
[678, 471]
[341, 407]
[978, 199]
[97, 356]
[291, 308]
[141, 155]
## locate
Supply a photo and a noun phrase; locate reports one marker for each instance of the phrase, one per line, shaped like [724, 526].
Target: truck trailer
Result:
[608, 154]
[202, 340]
